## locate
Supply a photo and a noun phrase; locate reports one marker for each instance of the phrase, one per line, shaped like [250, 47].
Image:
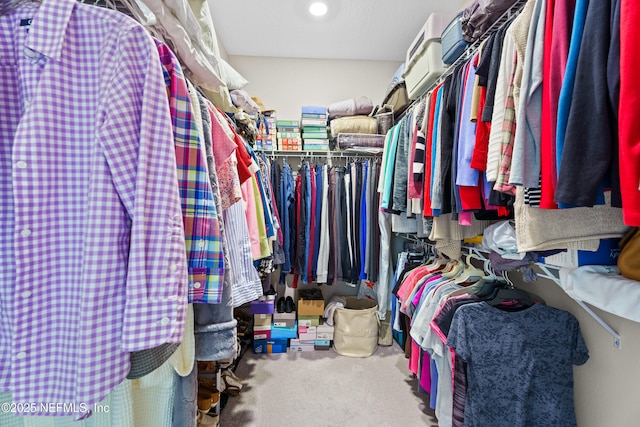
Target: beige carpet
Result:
[326, 389]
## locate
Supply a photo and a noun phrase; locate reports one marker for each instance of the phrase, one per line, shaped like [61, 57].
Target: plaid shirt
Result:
[92, 255]
[202, 231]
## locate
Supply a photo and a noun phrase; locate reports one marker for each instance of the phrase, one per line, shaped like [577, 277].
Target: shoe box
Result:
[322, 344]
[270, 346]
[308, 320]
[262, 320]
[307, 333]
[284, 332]
[310, 302]
[324, 332]
[262, 307]
[284, 319]
[262, 332]
[298, 346]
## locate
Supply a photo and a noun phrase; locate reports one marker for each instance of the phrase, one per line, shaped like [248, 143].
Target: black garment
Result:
[276, 172]
[482, 71]
[407, 268]
[447, 126]
[592, 129]
[344, 264]
[301, 237]
[494, 67]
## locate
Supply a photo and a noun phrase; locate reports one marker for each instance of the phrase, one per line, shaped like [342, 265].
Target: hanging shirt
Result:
[92, 253]
[527, 355]
[199, 216]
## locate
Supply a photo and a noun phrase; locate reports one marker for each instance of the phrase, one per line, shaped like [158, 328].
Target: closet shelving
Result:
[549, 272]
[504, 19]
[326, 154]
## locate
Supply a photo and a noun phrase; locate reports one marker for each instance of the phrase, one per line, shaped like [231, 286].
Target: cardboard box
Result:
[307, 333]
[262, 320]
[324, 332]
[284, 319]
[262, 307]
[322, 348]
[270, 346]
[310, 303]
[284, 332]
[308, 320]
[607, 254]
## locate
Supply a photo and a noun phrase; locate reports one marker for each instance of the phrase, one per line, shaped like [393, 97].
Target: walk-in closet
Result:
[319, 213]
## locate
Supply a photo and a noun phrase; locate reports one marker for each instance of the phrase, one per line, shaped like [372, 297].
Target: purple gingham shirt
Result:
[92, 253]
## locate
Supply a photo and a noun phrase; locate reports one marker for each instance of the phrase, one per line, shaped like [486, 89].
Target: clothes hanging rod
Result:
[313, 153]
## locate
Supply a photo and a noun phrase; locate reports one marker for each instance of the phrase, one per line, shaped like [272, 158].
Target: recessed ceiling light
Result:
[318, 9]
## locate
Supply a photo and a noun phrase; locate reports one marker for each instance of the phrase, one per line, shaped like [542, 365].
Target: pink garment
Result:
[248, 199]
[414, 360]
[222, 144]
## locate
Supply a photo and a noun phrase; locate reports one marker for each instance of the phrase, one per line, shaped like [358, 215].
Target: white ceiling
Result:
[352, 29]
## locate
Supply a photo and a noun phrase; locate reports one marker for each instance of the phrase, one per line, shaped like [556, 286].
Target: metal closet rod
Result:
[549, 272]
[310, 153]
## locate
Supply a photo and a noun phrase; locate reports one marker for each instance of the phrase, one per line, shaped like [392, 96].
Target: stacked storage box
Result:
[315, 135]
[266, 138]
[423, 64]
[289, 138]
[263, 339]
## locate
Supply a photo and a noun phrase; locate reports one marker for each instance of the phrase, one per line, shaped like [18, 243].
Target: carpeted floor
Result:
[323, 388]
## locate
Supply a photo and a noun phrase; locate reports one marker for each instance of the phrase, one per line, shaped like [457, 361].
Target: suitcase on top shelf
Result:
[453, 44]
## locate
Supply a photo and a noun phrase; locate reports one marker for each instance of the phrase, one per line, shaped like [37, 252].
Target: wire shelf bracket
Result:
[548, 272]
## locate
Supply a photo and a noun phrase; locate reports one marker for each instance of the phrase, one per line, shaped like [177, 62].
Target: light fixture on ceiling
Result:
[318, 9]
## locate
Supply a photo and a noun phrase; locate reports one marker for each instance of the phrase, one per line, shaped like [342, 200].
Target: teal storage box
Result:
[280, 332]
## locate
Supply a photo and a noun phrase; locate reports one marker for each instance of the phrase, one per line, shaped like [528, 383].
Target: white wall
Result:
[285, 84]
[607, 387]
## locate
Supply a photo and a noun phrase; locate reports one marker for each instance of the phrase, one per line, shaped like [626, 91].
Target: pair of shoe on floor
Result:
[285, 305]
[208, 394]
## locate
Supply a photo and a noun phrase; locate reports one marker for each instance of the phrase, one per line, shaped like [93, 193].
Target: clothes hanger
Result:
[469, 271]
[9, 5]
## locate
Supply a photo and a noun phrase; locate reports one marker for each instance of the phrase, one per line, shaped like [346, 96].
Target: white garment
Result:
[322, 269]
[402, 224]
[603, 287]
[502, 88]
[525, 160]
[183, 358]
[335, 303]
[247, 285]
[188, 27]
[575, 228]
